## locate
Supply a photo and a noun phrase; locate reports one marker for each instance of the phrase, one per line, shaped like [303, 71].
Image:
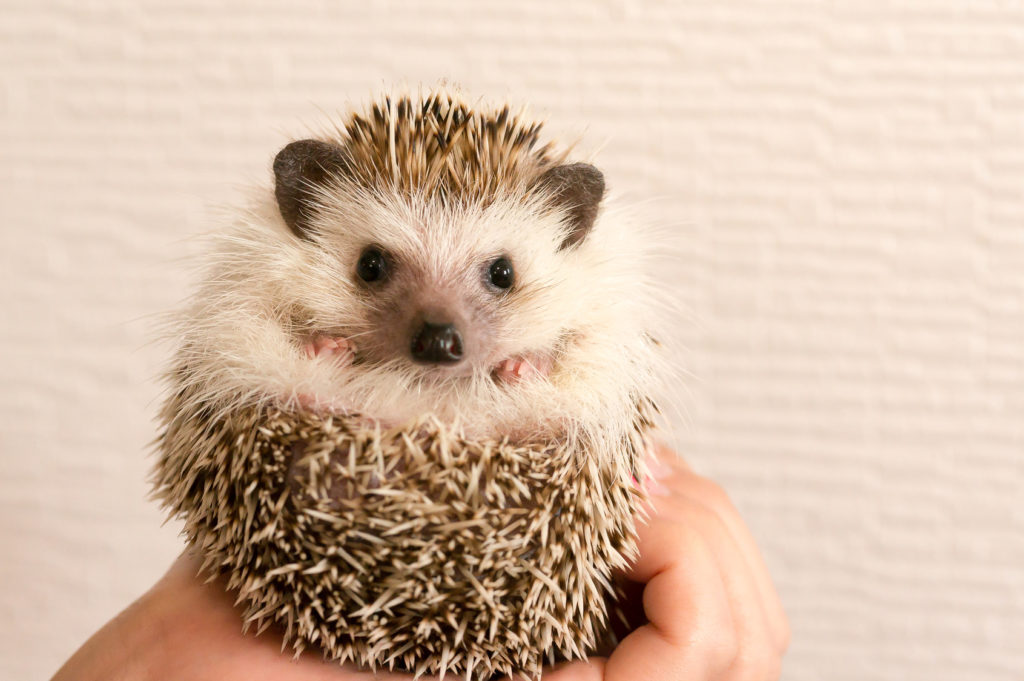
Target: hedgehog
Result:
[412, 395]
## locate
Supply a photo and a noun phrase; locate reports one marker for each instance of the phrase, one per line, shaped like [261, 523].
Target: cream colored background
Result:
[847, 179]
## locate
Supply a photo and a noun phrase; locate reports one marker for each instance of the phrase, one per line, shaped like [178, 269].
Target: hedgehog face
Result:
[446, 287]
[444, 293]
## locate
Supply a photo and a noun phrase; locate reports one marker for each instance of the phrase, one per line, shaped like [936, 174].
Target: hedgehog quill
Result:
[412, 394]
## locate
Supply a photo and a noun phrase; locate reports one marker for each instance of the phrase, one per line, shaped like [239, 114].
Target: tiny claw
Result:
[326, 346]
[523, 367]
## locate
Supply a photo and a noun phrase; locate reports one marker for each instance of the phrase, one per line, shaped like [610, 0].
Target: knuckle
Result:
[723, 647]
[758, 663]
[705, 517]
[692, 542]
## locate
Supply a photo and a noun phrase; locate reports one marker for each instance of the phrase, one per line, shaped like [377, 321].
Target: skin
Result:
[711, 611]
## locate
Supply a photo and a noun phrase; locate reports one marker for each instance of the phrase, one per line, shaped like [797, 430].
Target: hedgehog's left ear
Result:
[577, 188]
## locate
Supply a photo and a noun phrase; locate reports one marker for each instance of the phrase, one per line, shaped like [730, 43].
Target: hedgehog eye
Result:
[372, 265]
[501, 274]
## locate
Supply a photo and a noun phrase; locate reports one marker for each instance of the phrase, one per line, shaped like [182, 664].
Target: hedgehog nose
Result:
[437, 344]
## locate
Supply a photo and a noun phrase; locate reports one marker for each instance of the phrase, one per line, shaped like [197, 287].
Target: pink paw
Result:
[341, 350]
[523, 368]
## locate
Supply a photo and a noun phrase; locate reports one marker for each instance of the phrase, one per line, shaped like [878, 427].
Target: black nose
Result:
[437, 343]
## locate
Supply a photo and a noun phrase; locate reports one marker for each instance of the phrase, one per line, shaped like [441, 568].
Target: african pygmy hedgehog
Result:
[412, 395]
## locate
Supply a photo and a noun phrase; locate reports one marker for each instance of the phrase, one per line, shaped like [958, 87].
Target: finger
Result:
[757, 650]
[690, 630]
[676, 496]
[712, 496]
[776, 614]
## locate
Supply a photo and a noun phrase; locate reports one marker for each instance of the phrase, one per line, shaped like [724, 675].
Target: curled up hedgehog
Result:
[412, 396]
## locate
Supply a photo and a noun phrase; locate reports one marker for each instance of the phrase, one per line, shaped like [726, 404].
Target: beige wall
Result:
[848, 183]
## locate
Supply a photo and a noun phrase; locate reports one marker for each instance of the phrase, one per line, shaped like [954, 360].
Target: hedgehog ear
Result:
[577, 188]
[299, 169]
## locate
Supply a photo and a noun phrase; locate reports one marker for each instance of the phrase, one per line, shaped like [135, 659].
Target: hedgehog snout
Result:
[437, 344]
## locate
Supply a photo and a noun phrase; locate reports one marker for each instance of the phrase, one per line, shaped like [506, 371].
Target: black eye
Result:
[501, 274]
[372, 265]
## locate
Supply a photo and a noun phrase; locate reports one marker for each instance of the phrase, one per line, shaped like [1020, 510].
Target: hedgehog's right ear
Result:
[299, 169]
[578, 189]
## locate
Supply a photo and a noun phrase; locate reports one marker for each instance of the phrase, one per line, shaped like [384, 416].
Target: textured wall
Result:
[848, 183]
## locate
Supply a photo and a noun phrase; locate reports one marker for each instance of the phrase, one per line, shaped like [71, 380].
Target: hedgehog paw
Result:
[523, 368]
[341, 350]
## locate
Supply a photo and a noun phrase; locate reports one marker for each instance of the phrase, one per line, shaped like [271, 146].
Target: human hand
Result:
[184, 629]
[712, 613]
